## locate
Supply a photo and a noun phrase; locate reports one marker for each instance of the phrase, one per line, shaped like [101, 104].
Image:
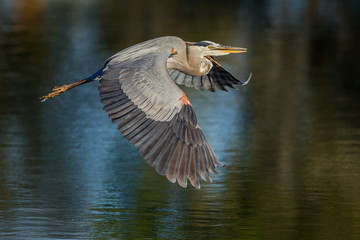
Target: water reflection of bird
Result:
[139, 92]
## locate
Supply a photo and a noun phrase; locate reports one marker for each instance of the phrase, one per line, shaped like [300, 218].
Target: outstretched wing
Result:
[154, 114]
[217, 77]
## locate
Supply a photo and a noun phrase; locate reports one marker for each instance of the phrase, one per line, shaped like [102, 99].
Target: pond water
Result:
[290, 139]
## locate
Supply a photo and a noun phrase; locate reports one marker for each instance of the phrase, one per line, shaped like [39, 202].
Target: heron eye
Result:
[210, 47]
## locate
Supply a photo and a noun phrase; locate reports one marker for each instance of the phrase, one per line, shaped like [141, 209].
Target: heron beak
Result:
[229, 49]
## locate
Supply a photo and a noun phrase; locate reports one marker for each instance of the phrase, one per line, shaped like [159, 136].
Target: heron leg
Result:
[61, 89]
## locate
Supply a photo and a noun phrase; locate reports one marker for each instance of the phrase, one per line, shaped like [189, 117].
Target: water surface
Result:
[290, 139]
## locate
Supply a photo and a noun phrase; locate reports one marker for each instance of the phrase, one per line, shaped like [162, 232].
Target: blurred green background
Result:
[290, 139]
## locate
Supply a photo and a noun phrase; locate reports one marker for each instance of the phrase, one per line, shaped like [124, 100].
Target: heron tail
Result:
[61, 89]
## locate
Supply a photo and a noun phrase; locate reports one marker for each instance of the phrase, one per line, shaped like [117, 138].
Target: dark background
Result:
[290, 139]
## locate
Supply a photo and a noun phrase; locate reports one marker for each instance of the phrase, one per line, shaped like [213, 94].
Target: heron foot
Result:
[59, 90]
[54, 92]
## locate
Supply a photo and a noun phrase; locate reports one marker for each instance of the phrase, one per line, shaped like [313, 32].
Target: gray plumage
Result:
[138, 88]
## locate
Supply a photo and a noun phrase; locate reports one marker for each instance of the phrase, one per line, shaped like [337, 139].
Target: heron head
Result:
[208, 48]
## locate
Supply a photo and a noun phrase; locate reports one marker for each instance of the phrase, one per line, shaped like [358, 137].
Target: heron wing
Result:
[154, 114]
[216, 77]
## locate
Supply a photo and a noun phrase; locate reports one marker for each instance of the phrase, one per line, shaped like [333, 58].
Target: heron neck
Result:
[194, 66]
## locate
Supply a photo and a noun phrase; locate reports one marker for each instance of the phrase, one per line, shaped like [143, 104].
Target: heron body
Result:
[139, 90]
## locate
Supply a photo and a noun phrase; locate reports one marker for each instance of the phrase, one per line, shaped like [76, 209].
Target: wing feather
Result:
[174, 160]
[147, 105]
[217, 77]
[162, 160]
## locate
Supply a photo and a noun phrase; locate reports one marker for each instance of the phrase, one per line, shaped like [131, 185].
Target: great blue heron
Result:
[139, 92]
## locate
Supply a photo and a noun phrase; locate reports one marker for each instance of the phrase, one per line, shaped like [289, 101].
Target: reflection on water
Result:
[290, 139]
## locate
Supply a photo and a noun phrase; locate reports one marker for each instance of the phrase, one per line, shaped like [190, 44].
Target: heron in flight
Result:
[138, 88]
